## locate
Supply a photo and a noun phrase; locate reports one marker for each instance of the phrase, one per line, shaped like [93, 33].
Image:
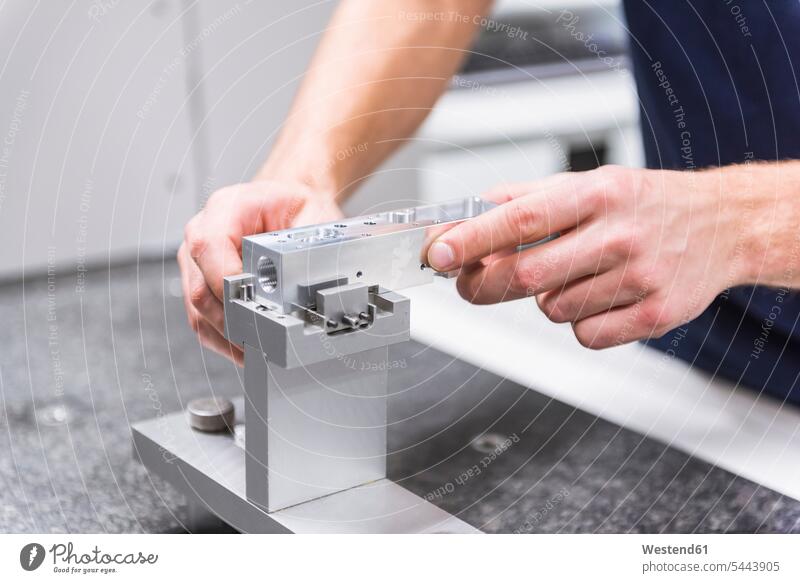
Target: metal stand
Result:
[326, 429]
[210, 470]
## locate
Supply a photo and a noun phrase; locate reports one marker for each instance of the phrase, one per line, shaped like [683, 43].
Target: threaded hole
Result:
[267, 275]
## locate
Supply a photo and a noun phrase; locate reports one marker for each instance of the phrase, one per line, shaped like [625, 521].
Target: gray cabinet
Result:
[96, 133]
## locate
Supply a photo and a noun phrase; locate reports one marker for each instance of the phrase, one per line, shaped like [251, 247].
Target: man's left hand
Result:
[640, 252]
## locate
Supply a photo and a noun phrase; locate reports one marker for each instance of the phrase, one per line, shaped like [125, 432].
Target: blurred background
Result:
[118, 119]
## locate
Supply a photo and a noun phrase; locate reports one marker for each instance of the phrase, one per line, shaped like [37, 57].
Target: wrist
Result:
[328, 172]
[322, 186]
[761, 195]
[738, 209]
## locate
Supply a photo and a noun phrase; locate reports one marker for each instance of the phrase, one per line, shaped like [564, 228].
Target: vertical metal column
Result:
[314, 430]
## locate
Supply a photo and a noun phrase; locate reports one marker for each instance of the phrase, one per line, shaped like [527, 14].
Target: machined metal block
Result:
[290, 341]
[314, 430]
[343, 302]
[382, 249]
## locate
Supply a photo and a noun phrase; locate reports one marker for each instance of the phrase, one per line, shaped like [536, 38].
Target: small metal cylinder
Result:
[211, 414]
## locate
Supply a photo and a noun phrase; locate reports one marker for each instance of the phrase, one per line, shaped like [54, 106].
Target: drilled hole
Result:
[314, 235]
[267, 275]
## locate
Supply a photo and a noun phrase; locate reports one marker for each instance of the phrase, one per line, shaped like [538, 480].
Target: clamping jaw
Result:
[316, 310]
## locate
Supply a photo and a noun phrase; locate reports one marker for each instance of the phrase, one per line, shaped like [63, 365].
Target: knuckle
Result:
[611, 175]
[215, 197]
[198, 295]
[609, 186]
[296, 202]
[604, 339]
[526, 279]
[583, 339]
[635, 281]
[659, 332]
[194, 321]
[648, 314]
[223, 195]
[545, 301]
[467, 288]
[463, 238]
[635, 237]
[594, 197]
[195, 239]
[558, 315]
[622, 245]
[562, 311]
[524, 218]
[585, 335]
[594, 339]
[599, 334]
[666, 321]
[655, 317]
[188, 230]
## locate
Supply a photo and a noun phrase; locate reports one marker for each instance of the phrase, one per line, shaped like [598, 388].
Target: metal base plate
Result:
[209, 469]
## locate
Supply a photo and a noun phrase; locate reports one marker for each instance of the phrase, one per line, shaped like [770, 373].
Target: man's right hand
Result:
[212, 246]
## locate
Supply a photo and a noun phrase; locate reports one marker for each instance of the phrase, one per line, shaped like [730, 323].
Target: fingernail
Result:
[441, 256]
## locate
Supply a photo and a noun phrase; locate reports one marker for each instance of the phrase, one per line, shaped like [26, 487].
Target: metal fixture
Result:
[316, 310]
[487, 443]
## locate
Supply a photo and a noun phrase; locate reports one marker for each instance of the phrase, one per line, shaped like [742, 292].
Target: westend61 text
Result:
[675, 550]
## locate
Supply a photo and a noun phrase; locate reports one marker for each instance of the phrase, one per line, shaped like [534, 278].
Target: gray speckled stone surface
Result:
[77, 368]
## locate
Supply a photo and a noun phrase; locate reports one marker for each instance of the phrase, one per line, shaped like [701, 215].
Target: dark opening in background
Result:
[587, 157]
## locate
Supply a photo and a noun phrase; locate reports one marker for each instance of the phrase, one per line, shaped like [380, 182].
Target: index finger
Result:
[216, 256]
[506, 191]
[525, 219]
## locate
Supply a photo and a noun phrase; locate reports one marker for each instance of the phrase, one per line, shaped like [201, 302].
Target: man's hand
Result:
[640, 253]
[212, 250]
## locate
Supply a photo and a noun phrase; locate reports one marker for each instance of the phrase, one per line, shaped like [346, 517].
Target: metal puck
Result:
[489, 442]
[211, 414]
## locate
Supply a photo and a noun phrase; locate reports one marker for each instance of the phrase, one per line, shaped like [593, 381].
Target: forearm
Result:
[765, 198]
[376, 74]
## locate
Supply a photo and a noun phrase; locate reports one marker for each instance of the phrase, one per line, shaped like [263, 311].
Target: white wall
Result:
[94, 128]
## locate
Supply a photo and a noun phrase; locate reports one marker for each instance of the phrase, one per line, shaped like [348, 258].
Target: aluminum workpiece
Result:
[316, 309]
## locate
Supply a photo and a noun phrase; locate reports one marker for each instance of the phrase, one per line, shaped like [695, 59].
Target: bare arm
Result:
[378, 71]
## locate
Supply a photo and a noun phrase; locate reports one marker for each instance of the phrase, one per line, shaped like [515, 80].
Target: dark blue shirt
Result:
[718, 83]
